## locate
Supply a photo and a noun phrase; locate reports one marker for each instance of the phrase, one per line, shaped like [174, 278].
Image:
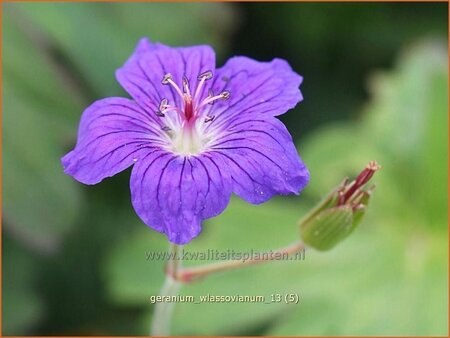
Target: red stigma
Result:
[188, 108]
[362, 179]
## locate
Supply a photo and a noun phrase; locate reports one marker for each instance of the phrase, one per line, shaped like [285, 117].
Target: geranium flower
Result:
[194, 134]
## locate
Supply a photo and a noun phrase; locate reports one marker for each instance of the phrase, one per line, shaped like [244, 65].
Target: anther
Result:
[163, 104]
[209, 118]
[225, 95]
[166, 78]
[205, 75]
[166, 128]
[186, 85]
[159, 113]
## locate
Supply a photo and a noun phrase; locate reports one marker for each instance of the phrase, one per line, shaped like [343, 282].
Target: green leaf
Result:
[435, 159]
[407, 121]
[42, 203]
[21, 303]
[391, 287]
[403, 128]
[97, 38]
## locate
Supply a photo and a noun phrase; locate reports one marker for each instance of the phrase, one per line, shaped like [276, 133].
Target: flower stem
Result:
[176, 275]
[163, 310]
[189, 274]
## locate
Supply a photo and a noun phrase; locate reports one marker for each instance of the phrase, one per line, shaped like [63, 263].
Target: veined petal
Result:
[257, 88]
[190, 149]
[142, 74]
[261, 157]
[113, 134]
[173, 194]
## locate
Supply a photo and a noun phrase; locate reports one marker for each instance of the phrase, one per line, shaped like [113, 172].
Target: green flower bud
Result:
[338, 215]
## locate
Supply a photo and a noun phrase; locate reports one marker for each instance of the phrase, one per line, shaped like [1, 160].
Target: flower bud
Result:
[336, 216]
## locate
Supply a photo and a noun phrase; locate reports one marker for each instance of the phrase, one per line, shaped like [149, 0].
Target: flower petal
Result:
[257, 88]
[173, 194]
[262, 159]
[142, 74]
[113, 134]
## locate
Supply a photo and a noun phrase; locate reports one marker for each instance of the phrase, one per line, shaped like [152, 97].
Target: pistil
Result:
[188, 107]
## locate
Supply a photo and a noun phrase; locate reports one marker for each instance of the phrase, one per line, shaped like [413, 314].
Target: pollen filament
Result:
[192, 106]
[187, 135]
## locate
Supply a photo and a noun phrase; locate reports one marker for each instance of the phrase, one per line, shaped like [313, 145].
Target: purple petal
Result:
[262, 159]
[113, 134]
[142, 74]
[257, 88]
[173, 194]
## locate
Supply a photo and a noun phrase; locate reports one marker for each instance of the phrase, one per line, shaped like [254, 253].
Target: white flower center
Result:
[188, 141]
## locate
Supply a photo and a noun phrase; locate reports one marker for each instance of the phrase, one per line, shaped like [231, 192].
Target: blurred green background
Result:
[375, 87]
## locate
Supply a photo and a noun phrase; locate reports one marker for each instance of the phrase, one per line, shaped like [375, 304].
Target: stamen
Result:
[186, 85]
[225, 95]
[202, 78]
[163, 104]
[205, 75]
[168, 79]
[190, 111]
[169, 108]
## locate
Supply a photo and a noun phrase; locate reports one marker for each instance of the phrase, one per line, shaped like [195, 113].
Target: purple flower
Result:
[194, 134]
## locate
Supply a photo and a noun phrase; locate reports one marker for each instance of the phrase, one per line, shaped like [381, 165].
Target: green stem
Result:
[190, 274]
[176, 275]
[162, 315]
